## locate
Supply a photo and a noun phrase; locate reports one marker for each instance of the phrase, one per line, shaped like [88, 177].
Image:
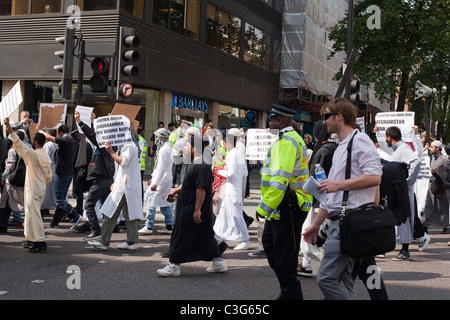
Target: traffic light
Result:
[66, 68]
[128, 54]
[354, 91]
[99, 79]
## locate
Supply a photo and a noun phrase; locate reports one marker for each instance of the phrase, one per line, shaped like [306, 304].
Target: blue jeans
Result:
[61, 184]
[151, 211]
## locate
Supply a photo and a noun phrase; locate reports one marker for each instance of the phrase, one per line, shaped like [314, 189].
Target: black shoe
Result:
[28, 244]
[85, 227]
[445, 231]
[39, 247]
[92, 236]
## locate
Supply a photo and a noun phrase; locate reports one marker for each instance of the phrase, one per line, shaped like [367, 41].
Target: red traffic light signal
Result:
[99, 80]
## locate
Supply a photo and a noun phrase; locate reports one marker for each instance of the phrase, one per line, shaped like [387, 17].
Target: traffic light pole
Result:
[81, 57]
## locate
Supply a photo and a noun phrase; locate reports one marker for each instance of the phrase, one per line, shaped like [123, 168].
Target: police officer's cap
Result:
[279, 110]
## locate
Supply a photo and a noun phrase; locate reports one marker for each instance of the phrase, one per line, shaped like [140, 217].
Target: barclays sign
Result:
[180, 101]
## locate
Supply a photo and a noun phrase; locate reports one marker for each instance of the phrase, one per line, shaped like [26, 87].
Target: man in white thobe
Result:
[38, 174]
[125, 197]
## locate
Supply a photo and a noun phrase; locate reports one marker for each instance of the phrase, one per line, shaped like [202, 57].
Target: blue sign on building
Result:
[180, 101]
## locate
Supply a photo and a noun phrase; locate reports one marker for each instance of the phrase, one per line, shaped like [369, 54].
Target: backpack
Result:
[17, 176]
[394, 190]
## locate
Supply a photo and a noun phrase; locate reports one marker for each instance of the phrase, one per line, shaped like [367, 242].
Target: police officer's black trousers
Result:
[282, 254]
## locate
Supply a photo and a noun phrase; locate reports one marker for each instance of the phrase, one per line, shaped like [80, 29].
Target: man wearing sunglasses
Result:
[334, 275]
[284, 203]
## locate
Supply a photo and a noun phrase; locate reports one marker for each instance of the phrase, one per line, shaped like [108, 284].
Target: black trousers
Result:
[281, 242]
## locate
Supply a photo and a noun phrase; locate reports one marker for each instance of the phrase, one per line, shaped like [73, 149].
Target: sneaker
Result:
[302, 271]
[76, 220]
[423, 244]
[218, 266]
[92, 237]
[243, 246]
[402, 255]
[257, 254]
[97, 245]
[145, 230]
[28, 244]
[126, 246]
[165, 231]
[171, 270]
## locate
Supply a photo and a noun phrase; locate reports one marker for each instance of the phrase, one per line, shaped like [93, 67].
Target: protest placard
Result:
[128, 110]
[11, 102]
[258, 143]
[403, 120]
[52, 115]
[112, 129]
[85, 116]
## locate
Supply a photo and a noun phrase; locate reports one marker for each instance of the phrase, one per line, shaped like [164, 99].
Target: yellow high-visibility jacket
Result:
[173, 138]
[286, 165]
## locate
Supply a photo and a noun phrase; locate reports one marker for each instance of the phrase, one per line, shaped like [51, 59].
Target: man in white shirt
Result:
[334, 274]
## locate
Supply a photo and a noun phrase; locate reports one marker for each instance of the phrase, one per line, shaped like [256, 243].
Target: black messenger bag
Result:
[367, 230]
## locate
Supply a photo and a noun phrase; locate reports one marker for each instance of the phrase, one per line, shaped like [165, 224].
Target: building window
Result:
[212, 17]
[276, 56]
[45, 6]
[223, 30]
[193, 19]
[176, 18]
[134, 7]
[13, 7]
[91, 5]
[257, 47]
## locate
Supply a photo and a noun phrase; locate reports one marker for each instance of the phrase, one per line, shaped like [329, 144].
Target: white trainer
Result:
[144, 230]
[218, 266]
[171, 270]
[126, 246]
[165, 231]
[97, 245]
[243, 246]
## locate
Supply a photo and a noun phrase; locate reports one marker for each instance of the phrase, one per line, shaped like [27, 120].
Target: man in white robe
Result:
[38, 174]
[125, 197]
[160, 185]
[403, 153]
[230, 224]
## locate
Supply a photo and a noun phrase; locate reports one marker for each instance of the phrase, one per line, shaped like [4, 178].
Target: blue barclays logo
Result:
[180, 101]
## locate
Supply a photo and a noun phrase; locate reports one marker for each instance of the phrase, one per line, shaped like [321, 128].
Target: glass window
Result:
[161, 13]
[134, 7]
[177, 16]
[193, 19]
[211, 25]
[257, 47]
[223, 32]
[91, 5]
[235, 36]
[13, 7]
[45, 6]
[276, 56]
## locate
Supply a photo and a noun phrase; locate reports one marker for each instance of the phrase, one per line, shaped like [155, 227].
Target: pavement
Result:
[131, 275]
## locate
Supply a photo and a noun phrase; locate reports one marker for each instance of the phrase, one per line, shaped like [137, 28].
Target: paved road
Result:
[116, 274]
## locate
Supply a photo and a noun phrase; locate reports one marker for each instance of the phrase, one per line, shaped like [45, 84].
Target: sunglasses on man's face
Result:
[326, 116]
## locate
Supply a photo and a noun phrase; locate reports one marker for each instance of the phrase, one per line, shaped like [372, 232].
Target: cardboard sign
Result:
[11, 102]
[52, 115]
[403, 120]
[113, 129]
[128, 110]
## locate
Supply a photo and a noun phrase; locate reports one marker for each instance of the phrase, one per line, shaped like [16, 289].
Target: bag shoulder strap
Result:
[348, 170]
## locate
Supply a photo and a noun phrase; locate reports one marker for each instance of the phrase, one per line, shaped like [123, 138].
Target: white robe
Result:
[162, 177]
[127, 182]
[230, 224]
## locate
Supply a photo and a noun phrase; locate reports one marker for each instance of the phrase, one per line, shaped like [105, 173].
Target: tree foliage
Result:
[413, 40]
